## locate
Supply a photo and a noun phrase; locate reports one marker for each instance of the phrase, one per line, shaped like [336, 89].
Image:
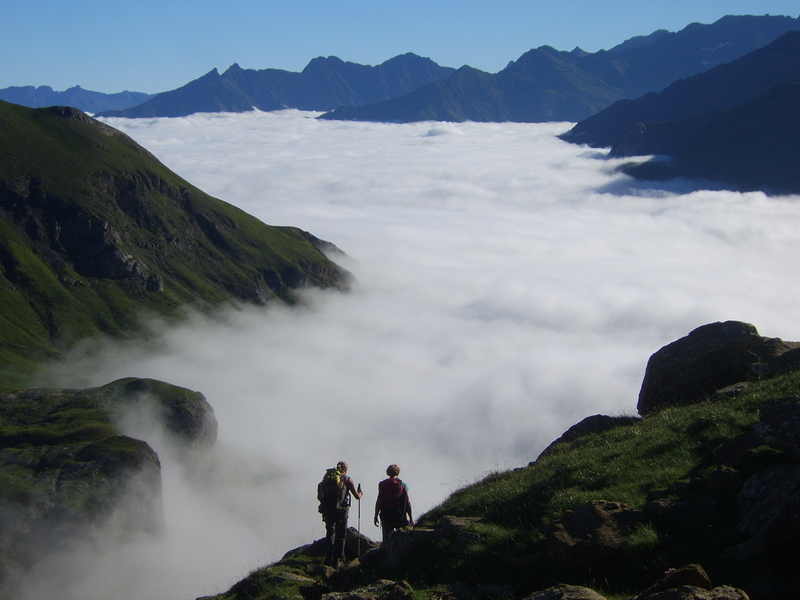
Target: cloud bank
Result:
[509, 285]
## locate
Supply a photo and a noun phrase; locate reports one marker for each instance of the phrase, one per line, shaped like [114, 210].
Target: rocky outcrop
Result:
[67, 468]
[691, 575]
[566, 592]
[710, 358]
[593, 535]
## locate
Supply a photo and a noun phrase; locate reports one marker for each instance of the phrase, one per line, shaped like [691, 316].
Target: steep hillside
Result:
[658, 60]
[324, 84]
[752, 147]
[695, 500]
[94, 231]
[722, 88]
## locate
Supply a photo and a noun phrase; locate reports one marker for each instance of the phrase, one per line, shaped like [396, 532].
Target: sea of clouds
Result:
[508, 285]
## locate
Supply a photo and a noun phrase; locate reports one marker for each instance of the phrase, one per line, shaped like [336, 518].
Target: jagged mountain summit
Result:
[551, 85]
[94, 230]
[325, 84]
[77, 97]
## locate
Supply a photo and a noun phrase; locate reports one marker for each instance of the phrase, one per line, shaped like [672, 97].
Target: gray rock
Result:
[770, 504]
[689, 592]
[689, 576]
[566, 592]
[779, 426]
[710, 358]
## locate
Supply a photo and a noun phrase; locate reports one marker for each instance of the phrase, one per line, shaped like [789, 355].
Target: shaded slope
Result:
[324, 84]
[752, 147]
[94, 230]
[543, 85]
[722, 88]
[66, 468]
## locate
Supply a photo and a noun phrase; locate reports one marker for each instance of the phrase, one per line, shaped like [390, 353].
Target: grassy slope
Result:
[64, 178]
[623, 465]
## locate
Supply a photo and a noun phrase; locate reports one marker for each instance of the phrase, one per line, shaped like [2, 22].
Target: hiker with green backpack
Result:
[392, 506]
[333, 493]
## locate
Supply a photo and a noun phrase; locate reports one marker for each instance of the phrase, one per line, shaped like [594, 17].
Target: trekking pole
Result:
[358, 543]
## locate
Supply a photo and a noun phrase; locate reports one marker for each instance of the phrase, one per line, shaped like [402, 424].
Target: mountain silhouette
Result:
[325, 84]
[546, 84]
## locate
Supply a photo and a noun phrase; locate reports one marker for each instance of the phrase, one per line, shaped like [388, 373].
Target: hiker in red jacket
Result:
[392, 506]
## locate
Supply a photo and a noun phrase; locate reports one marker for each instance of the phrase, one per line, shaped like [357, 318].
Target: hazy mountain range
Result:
[545, 84]
[325, 84]
[86, 100]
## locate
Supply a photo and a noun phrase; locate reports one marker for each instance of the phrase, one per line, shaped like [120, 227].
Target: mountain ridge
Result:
[572, 86]
[325, 83]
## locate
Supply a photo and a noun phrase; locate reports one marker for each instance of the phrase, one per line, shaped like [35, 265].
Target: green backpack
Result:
[332, 492]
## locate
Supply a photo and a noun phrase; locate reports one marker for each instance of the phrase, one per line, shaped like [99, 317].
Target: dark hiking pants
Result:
[335, 532]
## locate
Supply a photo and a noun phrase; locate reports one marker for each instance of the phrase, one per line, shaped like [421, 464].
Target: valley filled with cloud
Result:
[507, 285]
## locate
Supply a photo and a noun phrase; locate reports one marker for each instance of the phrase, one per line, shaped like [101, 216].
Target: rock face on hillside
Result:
[593, 535]
[710, 358]
[66, 467]
[590, 425]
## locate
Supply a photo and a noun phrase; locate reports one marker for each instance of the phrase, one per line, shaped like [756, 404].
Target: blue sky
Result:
[158, 45]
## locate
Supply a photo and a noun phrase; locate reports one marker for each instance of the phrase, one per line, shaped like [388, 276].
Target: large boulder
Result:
[688, 592]
[691, 575]
[710, 358]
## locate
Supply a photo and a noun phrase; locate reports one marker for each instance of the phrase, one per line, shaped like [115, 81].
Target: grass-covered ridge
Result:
[94, 230]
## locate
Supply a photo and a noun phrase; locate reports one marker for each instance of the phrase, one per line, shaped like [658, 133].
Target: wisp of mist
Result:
[508, 285]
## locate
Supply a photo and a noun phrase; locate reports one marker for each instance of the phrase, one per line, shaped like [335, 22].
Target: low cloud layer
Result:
[509, 285]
